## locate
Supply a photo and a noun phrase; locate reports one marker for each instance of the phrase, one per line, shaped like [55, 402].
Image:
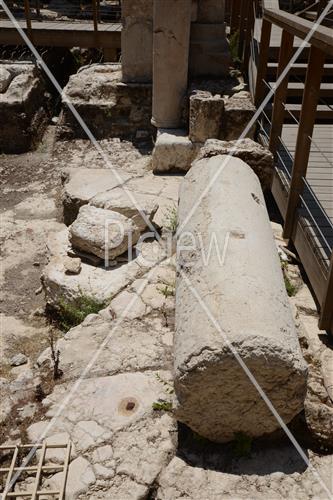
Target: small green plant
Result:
[162, 405]
[72, 313]
[167, 291]
[172, 220]
[168, 387]
[291, 289]
[241, 446]
[234, 44]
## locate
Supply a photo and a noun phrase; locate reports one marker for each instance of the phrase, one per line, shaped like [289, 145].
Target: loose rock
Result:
[103, 233]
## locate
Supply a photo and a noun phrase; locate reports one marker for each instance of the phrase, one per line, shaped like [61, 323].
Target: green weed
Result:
[72, 313]
[172, 220]
[162, 405]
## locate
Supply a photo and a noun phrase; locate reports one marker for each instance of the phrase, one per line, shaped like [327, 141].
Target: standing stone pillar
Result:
[171, 39]
[137, 41]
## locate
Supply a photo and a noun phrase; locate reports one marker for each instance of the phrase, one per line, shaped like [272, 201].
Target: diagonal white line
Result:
[251, 123]
[253, 380]
[78, 117]
[256, 115]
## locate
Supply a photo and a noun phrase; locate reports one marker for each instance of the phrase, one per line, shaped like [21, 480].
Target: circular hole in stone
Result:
[128, 406]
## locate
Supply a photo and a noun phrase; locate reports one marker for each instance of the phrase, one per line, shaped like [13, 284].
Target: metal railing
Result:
[301, 208]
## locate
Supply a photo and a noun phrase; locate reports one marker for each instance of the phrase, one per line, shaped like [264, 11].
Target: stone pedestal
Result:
[209, 50]
[137, 41]
[172, 21]
[211, 11]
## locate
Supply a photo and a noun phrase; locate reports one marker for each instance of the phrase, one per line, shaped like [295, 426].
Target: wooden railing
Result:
[32, 10]
[242, 20]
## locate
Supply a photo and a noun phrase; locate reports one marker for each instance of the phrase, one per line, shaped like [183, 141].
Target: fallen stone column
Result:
[242, 286]
[171, 41]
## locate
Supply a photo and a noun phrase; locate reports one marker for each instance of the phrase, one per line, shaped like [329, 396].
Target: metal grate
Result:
[19, 459]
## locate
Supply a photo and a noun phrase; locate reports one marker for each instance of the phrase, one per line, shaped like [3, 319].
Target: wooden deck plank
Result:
[320, 168]
[63, 34]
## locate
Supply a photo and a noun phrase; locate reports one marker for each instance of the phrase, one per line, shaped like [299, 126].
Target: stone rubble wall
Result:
[22, 112]
[108, 106]
[242, 286]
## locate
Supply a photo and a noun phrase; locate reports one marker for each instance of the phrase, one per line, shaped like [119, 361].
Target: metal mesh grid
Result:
[18, 463]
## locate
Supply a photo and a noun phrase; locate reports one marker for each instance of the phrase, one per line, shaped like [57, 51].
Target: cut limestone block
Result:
[102, 232]
[129, 203]
[110, 107]
[260, 159]
[22, 92]
[239, 110]
[206, 115]
[209, 51]
[82, 184]
[173, 151]
[243, 290]
[5, 79]
[137, 41]
[171, 40]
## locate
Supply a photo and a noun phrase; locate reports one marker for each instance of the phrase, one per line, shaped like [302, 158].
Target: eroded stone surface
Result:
[206, 115]
[139, 207]
[120, 415]
[82, 184]
[110, 108]
[21, 107]
[96, 282]
[173, 151]
[260, 159]
[130, 345]
[103, 233]
[239, 110]
[246, 295]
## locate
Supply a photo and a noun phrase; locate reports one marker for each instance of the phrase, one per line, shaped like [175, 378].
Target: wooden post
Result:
[234, 20]
[280, 98]
[326, 315]
[28, 18]
[263, 62]
[305, 130]
[95, 15]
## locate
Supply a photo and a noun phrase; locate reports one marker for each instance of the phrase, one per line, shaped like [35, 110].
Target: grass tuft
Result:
[72, 313]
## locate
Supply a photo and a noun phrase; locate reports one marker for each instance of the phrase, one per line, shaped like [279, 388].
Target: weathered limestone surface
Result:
[172, 22]
[243, 288]
[138, 344]
[21, 107]
[209, 50]
[239, 110]
[102, 232]
[109, 107]
[137, 41]
[260, 159]
[206, 115]
[78, 193]
[136, 206]
[125, 443]
[173, 151]
[92, 281]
